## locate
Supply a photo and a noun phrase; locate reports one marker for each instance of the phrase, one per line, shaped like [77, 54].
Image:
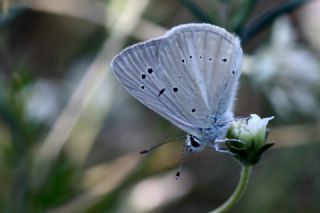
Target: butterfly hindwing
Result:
[138, 70]
[205, 62]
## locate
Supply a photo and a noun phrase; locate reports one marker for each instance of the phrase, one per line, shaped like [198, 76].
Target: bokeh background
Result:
[70, 134]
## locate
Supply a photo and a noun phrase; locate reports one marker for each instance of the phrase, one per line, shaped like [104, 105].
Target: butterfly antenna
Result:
[158, 145]
[181, 162]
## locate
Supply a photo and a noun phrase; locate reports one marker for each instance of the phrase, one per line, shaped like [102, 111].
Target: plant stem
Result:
[235, 197]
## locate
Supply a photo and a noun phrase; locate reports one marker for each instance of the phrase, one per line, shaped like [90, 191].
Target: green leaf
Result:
[197, 11]
[238, 20]
[268, 18]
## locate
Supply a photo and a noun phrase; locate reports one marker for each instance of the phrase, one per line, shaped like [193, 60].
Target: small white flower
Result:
[253, 128]
[252, 132]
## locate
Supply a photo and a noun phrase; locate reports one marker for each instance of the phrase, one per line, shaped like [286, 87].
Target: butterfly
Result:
[189, 76]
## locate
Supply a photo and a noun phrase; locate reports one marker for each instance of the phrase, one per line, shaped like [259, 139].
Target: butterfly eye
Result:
[194, 143]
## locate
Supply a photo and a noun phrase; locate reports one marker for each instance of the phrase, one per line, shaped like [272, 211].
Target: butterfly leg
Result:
[220, 144]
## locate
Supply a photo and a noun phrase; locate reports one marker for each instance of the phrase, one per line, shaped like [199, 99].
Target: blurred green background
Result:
[70, 135]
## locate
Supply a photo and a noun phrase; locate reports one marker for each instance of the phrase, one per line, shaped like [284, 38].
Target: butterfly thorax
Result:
[207, 137]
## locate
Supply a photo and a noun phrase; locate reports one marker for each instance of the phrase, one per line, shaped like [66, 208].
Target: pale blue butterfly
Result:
[189, 76]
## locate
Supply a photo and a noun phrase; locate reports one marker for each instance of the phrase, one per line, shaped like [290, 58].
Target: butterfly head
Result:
[208, 136]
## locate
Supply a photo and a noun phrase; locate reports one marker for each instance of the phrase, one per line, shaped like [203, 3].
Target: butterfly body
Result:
[189, 76]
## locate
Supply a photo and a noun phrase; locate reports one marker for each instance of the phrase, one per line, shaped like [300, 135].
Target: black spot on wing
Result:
[143, 76]
[161, 92]
[175, 89]
[150, 70]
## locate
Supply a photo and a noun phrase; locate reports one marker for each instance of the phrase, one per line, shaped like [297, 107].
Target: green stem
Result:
[235, 197]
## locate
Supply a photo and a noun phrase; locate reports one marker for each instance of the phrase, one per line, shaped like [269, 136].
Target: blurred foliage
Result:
[235, 19]
[282, 71]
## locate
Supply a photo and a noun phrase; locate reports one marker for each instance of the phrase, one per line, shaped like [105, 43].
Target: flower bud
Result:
[252, 135]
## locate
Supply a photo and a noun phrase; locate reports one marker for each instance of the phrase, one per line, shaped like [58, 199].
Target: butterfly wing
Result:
[138, 70]
[181, 77]
[204, 62]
